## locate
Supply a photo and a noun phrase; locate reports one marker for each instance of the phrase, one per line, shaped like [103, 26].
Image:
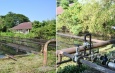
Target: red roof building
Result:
[60, 10]
[23, 27]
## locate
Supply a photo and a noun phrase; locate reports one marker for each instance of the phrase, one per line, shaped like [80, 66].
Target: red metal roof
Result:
[25, 25]
[60, 10]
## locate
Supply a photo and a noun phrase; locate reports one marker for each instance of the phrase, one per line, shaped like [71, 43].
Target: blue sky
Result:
[34, 9]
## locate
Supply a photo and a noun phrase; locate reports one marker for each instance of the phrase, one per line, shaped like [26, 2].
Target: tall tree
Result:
[93, 15]
[70, 19]
[1, 24]
[59, 2]
[11, 19]
[45, 29]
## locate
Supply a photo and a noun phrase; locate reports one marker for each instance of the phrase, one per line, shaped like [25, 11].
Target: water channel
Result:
[9, 51]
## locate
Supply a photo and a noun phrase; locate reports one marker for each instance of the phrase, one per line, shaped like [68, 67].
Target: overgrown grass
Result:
[72, 69]
[27, 64]
[29, 35]
[11, 34]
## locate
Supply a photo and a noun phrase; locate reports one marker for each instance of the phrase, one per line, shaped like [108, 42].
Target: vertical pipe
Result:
[45, 51]
[59, 57]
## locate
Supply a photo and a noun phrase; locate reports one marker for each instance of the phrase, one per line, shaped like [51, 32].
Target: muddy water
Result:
[2, 56]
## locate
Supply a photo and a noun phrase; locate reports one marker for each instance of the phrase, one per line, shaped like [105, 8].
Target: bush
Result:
[72, 69]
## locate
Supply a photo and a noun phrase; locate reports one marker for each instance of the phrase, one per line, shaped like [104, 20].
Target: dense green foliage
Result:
[11, 19]
[71, 69]
[64, 3]
[11, 34]
[45, 29]
[94, 16]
